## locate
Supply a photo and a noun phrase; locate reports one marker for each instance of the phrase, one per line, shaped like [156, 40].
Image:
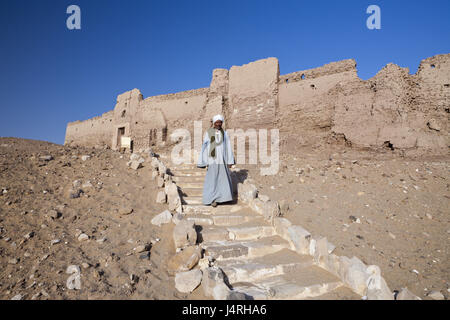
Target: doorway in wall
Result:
[152, 137]
[120, 134]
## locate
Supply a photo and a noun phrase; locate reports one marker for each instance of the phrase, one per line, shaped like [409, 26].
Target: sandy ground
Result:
[380, 207]
[385, 209]
[36, 269]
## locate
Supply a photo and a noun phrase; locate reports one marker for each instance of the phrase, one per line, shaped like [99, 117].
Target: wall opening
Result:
[388, 145]
[120, 134]
[164, 134]
[433, 66]
[152, 137]
[303, 77]
[123, 113]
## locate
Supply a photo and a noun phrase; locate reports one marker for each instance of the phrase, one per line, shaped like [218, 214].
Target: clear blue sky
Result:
[50, 75]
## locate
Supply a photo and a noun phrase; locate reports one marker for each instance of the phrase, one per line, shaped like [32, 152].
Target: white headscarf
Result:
[217, 117]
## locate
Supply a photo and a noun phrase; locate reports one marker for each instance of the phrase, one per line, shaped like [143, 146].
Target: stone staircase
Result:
[255, 260]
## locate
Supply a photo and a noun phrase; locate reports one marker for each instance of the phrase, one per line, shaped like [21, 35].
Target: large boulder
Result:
[299, 239]
[186, 282]
[377, 288]
[173, 198]
[135, 165]
[161, 197]
[247, 191]
[184, 260]
[184, 234]
[162, 218]
[212, 277]
[405, 294]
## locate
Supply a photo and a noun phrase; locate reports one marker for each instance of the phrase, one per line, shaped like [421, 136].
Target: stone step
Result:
[200, 219]
[187, 173]
[192, 200]
[223, 220]
[188, 179]
[250, 230]
[196, 208]
[312, 281]
[183, 166]
[278, 263]
[222, 250]
[190, 185]
[212, 233]
[235, 219]
[189, 192]
[340, 293]
[245, 231]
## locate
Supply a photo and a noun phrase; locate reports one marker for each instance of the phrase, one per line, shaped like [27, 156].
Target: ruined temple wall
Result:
[303, 103]
[170, 112]
[309, 106]
[395, 109]
[295, 90]
[253, 94]
[91, 132]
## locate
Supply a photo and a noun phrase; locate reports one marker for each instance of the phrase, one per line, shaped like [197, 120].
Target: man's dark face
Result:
[218, 124]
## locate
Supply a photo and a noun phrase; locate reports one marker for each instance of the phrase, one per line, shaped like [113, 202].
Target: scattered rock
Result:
[74, 281]
[74, 193]
[55, 241]
[173, 197]
[145, 256]
[29, 235]
[76, 183]
[436, 295]
[135, 165]
[405, 294]
[46, 158]
[85, 157]
[184, 234]
[134, 278]
[186, 282]
[433, 125]
[161, 197]
[142, 248]
[123, 211]
[17, 297]
[83, 237]
[87, 184]
[162, 218]
[13, 261]
[284, 206]
[134, 156]
[213, 283]
[247, 191]
[184, 260]
[53, 214]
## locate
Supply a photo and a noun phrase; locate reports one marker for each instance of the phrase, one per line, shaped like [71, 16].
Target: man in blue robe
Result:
[216, 154]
